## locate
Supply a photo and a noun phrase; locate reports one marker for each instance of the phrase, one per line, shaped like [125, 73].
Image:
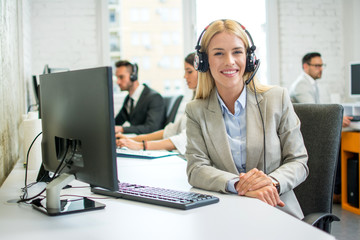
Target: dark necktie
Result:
[131, 105]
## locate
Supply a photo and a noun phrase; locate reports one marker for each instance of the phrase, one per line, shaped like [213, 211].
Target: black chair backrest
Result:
[321, 126]
[172, 104]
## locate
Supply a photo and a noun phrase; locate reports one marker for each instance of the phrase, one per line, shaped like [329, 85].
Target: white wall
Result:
[69, 34]
[14, 57]
[312, 25]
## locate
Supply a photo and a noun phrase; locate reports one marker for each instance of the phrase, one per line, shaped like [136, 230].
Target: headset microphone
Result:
[257, 64]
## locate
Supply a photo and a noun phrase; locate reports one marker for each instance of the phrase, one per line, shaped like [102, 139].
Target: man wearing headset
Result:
[143, 110]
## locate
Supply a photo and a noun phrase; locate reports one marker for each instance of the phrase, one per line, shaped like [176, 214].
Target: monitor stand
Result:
[55, 206]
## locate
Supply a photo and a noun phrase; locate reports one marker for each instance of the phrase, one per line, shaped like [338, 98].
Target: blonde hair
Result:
[206, 81]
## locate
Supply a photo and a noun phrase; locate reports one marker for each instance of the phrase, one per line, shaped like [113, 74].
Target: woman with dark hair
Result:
[173, 136]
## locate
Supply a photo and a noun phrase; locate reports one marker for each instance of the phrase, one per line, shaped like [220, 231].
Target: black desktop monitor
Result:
[78, 134]
[36, 89]
[355, 79]
[36, 85]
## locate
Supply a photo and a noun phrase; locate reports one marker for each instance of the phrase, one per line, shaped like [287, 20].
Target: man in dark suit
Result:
[143, 110]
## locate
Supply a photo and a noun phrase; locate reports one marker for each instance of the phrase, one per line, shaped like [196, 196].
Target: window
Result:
[144, 15]
[112, 17]
[146, 40]
[176, 38]
[165, 37]
[114, 42]
[135, 39]
[149, 33]
[134, 15]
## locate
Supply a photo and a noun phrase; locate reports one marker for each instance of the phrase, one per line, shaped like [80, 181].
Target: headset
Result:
[201, 63]
[134, 73]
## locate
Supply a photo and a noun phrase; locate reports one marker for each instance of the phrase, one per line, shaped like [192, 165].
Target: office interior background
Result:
[158, 34]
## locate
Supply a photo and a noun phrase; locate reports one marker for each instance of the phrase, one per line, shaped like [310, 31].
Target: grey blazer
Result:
[210, 163]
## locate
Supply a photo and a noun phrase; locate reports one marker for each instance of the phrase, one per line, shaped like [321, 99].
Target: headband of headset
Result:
[201, 63]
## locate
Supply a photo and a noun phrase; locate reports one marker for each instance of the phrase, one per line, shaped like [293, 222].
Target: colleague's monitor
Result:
[48, 69]
[36, 85]
[78, 134]
[355, 79]
[36, 89]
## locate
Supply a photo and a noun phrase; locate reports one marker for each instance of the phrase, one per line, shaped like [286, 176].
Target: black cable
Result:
[263, 125]
[57, 171]
[27, 163]
[24, 197]
[68, 161]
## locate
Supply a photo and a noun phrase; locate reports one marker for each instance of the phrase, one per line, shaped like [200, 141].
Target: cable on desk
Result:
[24, 197]
[27, 164]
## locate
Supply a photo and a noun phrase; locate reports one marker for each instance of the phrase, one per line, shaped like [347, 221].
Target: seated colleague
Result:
[173, 136]
[143, 109]
[225, 149]
[305, 90]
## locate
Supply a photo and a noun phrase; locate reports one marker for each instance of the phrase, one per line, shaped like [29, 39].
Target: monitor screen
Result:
[78, 129]
[355, 79]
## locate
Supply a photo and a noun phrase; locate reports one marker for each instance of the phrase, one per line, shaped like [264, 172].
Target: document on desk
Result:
[148, 154]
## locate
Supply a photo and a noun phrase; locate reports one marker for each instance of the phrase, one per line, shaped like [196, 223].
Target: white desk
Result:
[123, 219]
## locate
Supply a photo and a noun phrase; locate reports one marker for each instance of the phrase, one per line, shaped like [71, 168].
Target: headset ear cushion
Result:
[250, 63]
[201, 62]
[132, 78]
[134, 74]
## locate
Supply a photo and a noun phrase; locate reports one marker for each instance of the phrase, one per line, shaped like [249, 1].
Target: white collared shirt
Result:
[235, 125]
[136, 95]
[314, 84]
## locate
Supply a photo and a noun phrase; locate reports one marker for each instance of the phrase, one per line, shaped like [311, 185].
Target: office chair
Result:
[321, 129]
[172, 104]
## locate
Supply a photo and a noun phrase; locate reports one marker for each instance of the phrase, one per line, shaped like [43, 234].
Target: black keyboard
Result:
[159, 196]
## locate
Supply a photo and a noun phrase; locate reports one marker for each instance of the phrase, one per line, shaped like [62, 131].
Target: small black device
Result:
[353, 181]
[355, 118]
[159, 196]
[134, 73]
